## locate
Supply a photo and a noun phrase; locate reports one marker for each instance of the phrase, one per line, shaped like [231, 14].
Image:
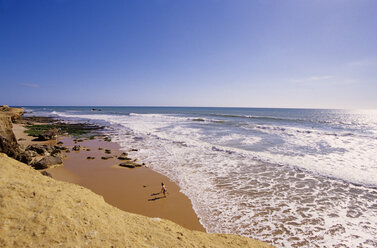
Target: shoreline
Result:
[132, 190]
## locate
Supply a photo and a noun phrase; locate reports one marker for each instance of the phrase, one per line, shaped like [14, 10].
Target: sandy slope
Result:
[37, 211]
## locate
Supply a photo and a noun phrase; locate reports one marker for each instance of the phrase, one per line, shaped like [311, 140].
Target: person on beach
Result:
[163, 189]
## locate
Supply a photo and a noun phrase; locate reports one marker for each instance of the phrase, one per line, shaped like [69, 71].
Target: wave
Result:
[259, 117]
[315, 150]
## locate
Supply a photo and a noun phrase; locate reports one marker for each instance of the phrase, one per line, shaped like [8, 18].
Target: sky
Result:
[220, 53]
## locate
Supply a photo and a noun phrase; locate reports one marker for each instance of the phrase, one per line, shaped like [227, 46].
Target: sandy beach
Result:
[133, 190]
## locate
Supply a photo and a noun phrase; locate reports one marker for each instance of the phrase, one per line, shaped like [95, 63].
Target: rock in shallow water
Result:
[123, 156]
[76, 148]
[130, 164]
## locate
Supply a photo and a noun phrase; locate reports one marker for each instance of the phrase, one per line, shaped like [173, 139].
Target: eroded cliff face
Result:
[7, 116]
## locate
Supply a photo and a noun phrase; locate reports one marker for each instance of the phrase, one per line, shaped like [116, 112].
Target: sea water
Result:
[291, 177]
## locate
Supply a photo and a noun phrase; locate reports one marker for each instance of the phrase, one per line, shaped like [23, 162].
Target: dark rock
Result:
[40, 149]
[56, 152]
[134, 150]
[129, 164]
[198, 119]
[123, 156]
[108, 139]
[100, 148]
[107, 151]
[106, 157]
[76, 148]
[47, 162]
[21, 139]
[49, 134]
[61, 148]
[89, 157]
[88, 149]
[26, 157]
[60, 143]
[49, 148]
[45, 173]
[30, 120]
[11, 148]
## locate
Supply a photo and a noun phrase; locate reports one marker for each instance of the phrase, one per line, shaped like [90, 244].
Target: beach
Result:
[87, 199]
[275, 175]
[289, 177]
[132, 190]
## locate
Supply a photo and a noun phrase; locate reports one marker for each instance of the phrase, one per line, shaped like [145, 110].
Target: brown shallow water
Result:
[132, 190]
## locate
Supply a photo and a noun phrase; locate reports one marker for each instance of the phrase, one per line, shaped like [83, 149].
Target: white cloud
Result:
[363, 63]
[30, 85]
[311, 79]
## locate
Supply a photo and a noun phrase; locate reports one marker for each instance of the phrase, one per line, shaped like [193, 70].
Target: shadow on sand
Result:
[156, 197]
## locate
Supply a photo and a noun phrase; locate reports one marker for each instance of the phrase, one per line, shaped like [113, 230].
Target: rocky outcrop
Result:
[28, 155]
[11, 148]
[8, 142]
[14, 113]
[40, 149]
[47, 162]
[7, 116]
[49, 134]
[38, 211]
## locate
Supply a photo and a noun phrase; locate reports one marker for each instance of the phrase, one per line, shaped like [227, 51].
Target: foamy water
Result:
[290, 177]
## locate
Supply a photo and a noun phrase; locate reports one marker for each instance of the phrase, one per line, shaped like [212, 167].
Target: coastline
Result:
[132, 190]
[39, 211]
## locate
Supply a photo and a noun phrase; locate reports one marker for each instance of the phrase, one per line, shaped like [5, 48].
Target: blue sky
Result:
[265, 53]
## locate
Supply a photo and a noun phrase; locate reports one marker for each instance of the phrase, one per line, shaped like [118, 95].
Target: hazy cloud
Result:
[30, 85]
[311, 79]
[363, 63]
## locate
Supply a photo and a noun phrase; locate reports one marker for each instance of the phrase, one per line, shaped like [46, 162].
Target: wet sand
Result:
[133, 190]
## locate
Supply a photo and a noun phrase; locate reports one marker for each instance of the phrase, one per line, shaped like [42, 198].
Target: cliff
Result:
[38, 211]
[7, 116]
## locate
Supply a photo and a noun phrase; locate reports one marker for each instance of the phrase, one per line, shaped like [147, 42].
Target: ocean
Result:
[291, 177]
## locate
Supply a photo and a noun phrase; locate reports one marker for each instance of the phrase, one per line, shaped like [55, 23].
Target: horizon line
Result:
[170, 106]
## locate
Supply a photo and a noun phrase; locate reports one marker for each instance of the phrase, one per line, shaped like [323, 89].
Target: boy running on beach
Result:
[163, 189]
